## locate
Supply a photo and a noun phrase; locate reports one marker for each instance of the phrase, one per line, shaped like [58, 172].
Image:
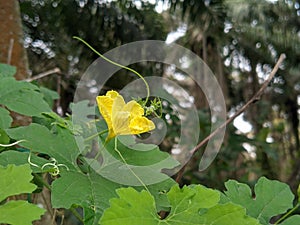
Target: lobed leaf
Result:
[91, 191]
[132, 208]
[271, 198]
[189, 205]
[15, 180]
[20, 213]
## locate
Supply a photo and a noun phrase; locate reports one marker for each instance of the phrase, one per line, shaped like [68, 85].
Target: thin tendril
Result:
[12, 144]
[134, 174]
[117, 64]
[29, 161]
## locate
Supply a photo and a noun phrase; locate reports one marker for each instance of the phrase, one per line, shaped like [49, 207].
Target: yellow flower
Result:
[121, 118]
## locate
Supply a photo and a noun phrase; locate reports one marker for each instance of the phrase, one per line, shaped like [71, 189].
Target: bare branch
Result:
[255, 98]
[44, 74]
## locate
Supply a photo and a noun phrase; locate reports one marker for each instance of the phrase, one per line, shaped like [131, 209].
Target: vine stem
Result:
[134, 174]
[117, 64]
[95, 135]
[76, 214]
[254, 99]
[287, 214]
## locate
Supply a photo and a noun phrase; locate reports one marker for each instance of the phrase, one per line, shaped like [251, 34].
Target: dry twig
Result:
[44, 74]
[255, 98]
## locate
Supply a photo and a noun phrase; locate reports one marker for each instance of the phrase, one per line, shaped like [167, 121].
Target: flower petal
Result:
[134, 108]
[121, 123]
[120, 118]
[105, 105]
[140, 124]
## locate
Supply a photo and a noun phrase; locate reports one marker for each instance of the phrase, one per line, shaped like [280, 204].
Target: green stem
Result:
[40, 179]
[95, 135]
[117, 64]
[134, 174]
[100, 150]
[287, 214]
[76, 214]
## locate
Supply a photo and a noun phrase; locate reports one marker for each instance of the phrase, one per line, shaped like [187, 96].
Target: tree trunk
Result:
[11, 46]
[12, 52]
[11, 42]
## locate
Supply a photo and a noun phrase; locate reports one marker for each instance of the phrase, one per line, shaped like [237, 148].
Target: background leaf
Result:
[22, 97]
[7, 70]
[271, 198]
[5, 119]
[49, 95]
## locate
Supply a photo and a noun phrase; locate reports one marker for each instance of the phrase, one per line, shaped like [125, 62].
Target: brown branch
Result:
[44, 74]
[255, 98]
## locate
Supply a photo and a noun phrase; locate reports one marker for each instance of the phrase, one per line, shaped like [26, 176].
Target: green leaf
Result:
[143, 161]
[192, 198]
[60, 145]
[7, 70]
[293, 220]
[15, 180]
[22, 97]
[4, 139]
[159, 192]
[20, 213]
[227, 214]
[132, 208]
[5, 119]
[199, 205]
[21, 158]
[49, 95]
[81, 111]
[189, 205]
[141, 154]
[91, 191]
[271, 198]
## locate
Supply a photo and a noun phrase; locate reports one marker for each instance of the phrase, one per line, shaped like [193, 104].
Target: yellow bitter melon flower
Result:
[121, 118]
